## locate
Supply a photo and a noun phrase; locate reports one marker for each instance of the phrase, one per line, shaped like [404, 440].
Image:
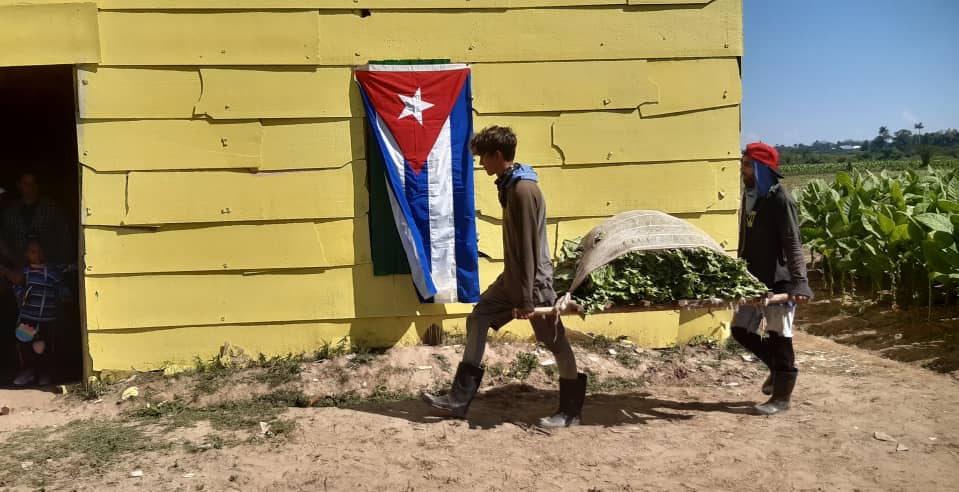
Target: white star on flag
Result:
[414, 106]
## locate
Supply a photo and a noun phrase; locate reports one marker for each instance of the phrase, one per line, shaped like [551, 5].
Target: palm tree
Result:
[883, 132]
[919, 127]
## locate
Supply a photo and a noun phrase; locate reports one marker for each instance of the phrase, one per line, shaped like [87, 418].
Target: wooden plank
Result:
[596, 191]
[142, 145]
[535, 34]
[49, 34]
[490, 236]
[189, 248]
[168, 144]
[312, 144]
[108, 92]
[102, 197]
[722, 226]
[691, 85]
[351, 4]
[534, 134]
[221, 38]
[149, 350]
[665, 2]
[561, 86]
[710, 323]
[648, 329]
[285, 92]
[215, 298]
[592, 138]
[223, 196]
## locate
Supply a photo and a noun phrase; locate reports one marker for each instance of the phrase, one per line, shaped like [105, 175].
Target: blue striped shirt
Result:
[39, 295]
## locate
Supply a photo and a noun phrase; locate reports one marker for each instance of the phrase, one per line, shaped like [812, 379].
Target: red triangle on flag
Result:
[414, 105]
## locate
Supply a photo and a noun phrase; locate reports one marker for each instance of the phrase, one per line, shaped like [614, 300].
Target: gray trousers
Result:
[495, 310]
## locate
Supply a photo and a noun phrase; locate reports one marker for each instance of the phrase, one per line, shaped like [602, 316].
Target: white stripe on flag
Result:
[439, 166]
[396, 155]
[402, 226]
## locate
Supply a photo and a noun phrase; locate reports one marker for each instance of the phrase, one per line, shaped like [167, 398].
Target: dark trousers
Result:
[29, 358]
[776, 351]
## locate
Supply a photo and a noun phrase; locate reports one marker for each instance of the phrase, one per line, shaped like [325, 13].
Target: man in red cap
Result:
[770, 244]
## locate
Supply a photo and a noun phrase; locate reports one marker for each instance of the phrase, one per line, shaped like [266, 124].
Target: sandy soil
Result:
[662, 420]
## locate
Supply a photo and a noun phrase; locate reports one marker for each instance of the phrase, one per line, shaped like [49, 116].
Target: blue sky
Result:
[836, 69]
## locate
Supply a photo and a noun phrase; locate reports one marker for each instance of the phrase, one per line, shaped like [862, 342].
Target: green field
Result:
[799, 175]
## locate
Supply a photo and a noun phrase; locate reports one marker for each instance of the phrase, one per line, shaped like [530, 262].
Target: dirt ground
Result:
[676, 419]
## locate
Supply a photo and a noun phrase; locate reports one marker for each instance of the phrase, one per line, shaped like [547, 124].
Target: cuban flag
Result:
[421, 117]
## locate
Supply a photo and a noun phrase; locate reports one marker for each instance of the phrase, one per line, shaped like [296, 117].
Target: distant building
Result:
[850, 147]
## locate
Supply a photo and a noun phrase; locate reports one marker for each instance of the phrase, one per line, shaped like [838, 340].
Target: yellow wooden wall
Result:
[223, 164]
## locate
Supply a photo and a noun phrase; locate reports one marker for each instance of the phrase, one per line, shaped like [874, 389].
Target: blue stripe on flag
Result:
[421, 274]
[467, 264]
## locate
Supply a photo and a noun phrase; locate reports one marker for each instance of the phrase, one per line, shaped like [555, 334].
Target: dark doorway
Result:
[38, 133]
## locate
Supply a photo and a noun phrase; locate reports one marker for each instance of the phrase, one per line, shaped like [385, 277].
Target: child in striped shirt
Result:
[38, 287]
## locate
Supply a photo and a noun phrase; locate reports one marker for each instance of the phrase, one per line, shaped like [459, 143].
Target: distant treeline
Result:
[901, 145]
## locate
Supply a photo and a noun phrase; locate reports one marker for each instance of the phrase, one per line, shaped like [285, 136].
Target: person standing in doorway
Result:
[33, 215]
[526, 283]
[39, 290]
[770, 243]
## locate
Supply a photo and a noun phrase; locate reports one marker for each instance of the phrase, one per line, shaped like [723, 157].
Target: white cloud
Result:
[909, 117]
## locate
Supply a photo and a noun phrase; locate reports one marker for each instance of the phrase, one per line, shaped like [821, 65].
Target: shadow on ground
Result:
[523, 405]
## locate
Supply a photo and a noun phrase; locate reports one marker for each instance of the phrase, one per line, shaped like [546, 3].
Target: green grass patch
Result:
[524, 365]
[599, 344]
[280, 370]
[77, 446]
[614, 384]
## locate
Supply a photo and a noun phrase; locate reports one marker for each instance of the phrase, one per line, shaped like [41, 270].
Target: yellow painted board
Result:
[141, 301]
[595, 191]
[259, 296]
[109, 92]
[220, 38]
[722, 226]
[49, 34]
[666, 2]
[490, 236]
[312, 144]
[123, 145]
[709, 323]
[102, 197]
[649, 329]
[153, 349]
[148, 350]
[261, 246]
[279, 92]
[561, 86]
[534, 135]
[690, 85]
[225, 196]
[212, 298]
[535, 34]
[609, 137]
[352, 4]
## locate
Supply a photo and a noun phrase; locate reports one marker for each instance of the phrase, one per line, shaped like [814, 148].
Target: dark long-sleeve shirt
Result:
[46, 222]
[770, 242]
[528, 271]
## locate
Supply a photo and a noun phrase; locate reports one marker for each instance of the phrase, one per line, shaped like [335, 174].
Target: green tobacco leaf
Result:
[844, 180]
[948, 206]
[935, 222]
[952, 189]
[886, 224]
[900, 233]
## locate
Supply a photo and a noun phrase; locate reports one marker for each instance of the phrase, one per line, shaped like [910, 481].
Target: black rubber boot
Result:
[466, 383]
[783, 385]
[768, 383]
[572, 394]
